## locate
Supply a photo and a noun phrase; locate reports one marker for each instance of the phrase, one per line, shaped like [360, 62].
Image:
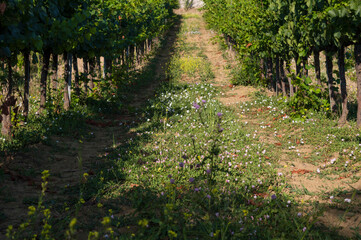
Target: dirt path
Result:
[300, 174]
[207, 41]
[68, 158]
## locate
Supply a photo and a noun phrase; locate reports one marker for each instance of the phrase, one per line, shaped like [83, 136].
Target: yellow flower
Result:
[93, 235]
[172, 234]
[72, 223]
[187, 215]
[206, 217]
[245, 212]
[106, 221]
[85, 176]
[169, 206]
[143, 223]
[46, 213]
[31, 211]
[45, 174]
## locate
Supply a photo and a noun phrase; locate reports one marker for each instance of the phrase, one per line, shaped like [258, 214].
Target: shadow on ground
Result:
[71, 156]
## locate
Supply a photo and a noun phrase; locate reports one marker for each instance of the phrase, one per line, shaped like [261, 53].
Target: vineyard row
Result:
[37, 33]
[270, 34]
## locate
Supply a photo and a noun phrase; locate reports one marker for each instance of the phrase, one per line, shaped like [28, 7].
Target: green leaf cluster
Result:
[286, 29]
[87, 28]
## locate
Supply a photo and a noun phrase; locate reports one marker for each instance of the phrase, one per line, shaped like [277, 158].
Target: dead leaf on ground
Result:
[300, 171]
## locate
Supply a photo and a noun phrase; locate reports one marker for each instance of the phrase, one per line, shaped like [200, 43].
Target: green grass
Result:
[189, 63]
[191, 15]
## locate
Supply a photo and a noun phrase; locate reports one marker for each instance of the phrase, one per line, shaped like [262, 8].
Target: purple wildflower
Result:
[191, 180]
[208, 171]
[220, 129]
[204, 101]
[172, 181]
[170, 176]
[195, 105]
[181, 164]
[219, 114]
[209, 196]
[273, 196]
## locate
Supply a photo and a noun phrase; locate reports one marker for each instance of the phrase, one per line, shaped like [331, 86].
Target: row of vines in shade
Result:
[276, 32]
[63, 31]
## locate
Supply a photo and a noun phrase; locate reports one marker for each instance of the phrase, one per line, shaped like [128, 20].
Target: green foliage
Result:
[286, 30]
[307, 97]
[86, 29]
[247, 73]
[39, 128]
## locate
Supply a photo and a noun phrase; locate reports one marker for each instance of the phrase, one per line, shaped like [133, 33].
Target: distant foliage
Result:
[276, 33]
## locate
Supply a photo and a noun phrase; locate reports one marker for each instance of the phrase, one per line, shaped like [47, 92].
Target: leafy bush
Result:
[307, 97]
[247, 73]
